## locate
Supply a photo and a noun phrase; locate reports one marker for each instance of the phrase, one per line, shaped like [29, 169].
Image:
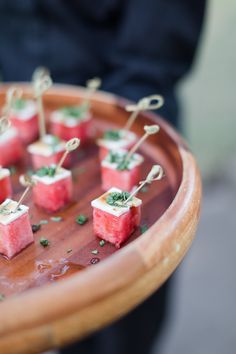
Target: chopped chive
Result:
[81, 219]
[102, 243]
[56, 218]
[94, 252]
[143, 228]
[36, 227]
[44, 242]
[43, 222]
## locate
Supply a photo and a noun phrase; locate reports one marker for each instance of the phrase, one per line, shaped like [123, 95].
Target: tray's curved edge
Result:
[47, 327]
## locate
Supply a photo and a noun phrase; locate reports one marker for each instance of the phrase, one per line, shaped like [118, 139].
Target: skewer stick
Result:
[149, 130]
[41, 84]
[71, 145]
[27, 182]
[146, 103]
[92, 85]
[155, 174]
[13, 94]
[39, 73]
[4, 124]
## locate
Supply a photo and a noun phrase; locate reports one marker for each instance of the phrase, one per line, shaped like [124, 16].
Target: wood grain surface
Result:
[54, 296]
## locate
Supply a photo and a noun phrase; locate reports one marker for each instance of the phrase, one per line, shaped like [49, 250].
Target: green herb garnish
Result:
[114, 135]
[56, 218]
[44, 242]
[94, 252]
[46, 171]
[73, 111]
[19, 104]
[119, 159]
[43, 222]
[143, 228]
[81, 219]
[35, 227]
[102, 243]
[2, 297]
[117, 198]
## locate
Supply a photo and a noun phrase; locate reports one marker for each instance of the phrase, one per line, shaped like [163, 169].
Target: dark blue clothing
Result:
[138, 48]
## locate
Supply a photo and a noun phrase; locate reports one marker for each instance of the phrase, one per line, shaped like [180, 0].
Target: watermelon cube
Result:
[52, 192]
[11, 149]
[117, 173]
[25, 119]
[115, 140]
[5, 184]
[112, 220]
[15, 228]
[71, 122]
[47, 152]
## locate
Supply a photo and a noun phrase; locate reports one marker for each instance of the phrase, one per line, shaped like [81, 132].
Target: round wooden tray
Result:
[54, 296]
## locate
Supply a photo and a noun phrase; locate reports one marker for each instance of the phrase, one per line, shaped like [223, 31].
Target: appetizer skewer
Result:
[53, 188]
[124, 138]
[122, 169]
[116, 213]
[49, 149]
[15, 227]
[75, 121]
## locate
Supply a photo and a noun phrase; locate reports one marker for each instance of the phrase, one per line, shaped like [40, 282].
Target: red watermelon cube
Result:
[115, 140]
[71, 122]
[112, 220]
[24, 118]
[15, 228]
[52, 192]
[47, 152]
[117, 173]
[11, 149]
[5, 184]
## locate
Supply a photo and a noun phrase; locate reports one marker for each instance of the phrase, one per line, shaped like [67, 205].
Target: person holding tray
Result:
[137, 48]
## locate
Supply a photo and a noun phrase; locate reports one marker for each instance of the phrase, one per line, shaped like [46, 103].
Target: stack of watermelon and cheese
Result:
[119, 173]
[15, 228]
[113, 220]
[114, 140]
[71, 122]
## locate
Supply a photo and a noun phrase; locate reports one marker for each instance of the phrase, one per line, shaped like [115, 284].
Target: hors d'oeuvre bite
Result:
[47, 151]
[11, 149]
[122, 168]
[116, 213]
[53, 188]
[75, 121]
[121, 173]
[124, 138]
[23, 115]
[15, 228]
[5, 184]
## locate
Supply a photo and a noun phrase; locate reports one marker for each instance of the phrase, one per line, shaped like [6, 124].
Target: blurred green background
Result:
[208, 94]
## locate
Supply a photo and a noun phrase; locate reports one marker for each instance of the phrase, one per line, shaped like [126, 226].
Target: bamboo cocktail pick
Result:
[41, 84]
[149, 130]
[27, 182]
[146, 103]
[13, 94]
[4, 124]
[91, 85]
[155, 174]
[71, 145]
